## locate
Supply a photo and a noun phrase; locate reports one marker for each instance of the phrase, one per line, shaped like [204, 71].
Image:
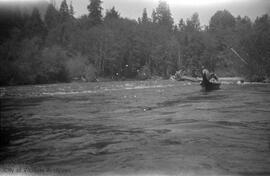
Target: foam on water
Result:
[92, 88]
[142, 174]
[105, 89]
[69, 93]
[73, 89]
[2, 91]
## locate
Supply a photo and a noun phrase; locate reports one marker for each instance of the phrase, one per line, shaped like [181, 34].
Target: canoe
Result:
[210, 85]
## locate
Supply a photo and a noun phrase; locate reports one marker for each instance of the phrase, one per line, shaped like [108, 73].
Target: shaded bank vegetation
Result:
[58, 47]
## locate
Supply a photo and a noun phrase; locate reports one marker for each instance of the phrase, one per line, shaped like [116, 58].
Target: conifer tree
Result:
[51, 17]
[164, 16]
[193, 24]
[145, 16]
[35, 25]
[71, 10]
[154, 16]
[181, 25]
[64, 11]
[95, 11]
[112, 14]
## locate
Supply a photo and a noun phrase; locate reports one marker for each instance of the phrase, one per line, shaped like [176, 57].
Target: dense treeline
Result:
[59, 47]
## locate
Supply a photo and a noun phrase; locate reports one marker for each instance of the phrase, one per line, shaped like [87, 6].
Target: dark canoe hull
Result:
[209, 85]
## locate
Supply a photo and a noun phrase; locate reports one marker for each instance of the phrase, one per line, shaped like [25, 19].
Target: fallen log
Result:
[188, 78]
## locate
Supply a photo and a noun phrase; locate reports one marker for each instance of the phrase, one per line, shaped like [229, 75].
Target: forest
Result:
[58, 47]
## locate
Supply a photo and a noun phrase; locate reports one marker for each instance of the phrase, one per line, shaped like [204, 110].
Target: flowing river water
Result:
[135, 128]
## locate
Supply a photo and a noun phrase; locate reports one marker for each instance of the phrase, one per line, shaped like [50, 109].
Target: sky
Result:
[179, 8]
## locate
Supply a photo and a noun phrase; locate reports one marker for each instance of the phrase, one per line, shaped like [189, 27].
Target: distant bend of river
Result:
[135, 128]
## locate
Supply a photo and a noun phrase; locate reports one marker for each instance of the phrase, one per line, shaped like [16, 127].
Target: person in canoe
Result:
[213, 78]
[205, 73]
[210, 80]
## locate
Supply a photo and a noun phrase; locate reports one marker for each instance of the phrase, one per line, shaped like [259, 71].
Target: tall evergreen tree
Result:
[193, 24]
[164, 16]
[195, 21]
[51, 17]
[71, 9]
[181, 25]
[154, 16]
[95, 11]
[145, 16]
[64, 11]
[35, 25]
[112, 14]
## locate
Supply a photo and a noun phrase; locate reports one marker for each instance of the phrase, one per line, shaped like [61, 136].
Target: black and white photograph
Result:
[134, 87]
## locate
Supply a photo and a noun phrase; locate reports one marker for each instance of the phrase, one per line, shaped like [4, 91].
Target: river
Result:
[135, 128]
